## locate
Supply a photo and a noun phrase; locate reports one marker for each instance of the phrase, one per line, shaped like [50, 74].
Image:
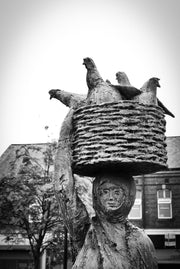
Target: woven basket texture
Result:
[124, 136]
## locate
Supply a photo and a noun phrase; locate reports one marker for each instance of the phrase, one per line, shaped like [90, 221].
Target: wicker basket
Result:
[124, 136]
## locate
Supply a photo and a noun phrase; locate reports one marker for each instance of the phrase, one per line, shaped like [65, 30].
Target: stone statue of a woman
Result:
[106, 129]
[107, 240]
[111, 241]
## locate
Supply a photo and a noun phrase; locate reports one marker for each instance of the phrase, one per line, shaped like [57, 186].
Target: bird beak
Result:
[158, 85]
[157, 82]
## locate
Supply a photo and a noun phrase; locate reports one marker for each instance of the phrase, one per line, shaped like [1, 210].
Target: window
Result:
[170, 240]
[136, 211]
[164, 202]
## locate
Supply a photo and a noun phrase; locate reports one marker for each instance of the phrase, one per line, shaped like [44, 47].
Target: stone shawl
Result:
[117, 246]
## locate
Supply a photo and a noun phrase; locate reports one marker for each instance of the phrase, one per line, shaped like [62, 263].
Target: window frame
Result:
[137, 202]
[164, 201]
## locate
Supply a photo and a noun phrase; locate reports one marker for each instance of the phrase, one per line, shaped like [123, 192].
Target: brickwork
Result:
[150, 184]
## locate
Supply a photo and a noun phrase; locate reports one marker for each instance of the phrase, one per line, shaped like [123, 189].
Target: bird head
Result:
[122, 78]
[154, 82]
[89, 63]
[108, 81]
[53, 93]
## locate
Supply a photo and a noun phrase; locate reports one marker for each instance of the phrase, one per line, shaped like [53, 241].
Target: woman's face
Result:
[111, 196]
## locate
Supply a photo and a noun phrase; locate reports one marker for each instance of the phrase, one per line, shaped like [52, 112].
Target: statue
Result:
[105, 140]
[112, 241]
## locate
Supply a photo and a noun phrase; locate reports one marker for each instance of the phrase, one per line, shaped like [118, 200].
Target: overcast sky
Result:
[43, 43]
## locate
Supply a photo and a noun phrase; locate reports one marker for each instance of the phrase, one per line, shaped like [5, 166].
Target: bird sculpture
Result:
[148, 94]
[69, 99]
[151, 86]
[124, 87]
[122, 79]
[99, 91]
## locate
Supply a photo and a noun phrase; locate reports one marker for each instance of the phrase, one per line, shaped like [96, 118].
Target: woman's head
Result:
[113, 196]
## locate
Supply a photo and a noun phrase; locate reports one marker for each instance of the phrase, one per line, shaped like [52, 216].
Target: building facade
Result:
[157, 207]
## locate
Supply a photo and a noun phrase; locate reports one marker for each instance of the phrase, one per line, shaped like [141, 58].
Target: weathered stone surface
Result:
[125, 136]
[112, 242]
[110, 141]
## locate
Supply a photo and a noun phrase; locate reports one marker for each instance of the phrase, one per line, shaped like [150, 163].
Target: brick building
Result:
[157, 206]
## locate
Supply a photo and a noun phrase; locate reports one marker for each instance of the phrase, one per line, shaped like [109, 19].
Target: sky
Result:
[43, 43]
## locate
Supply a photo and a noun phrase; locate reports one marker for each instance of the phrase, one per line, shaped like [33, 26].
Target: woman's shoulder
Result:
[138, 234]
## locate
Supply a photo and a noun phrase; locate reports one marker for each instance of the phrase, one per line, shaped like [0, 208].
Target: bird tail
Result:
[166, 111]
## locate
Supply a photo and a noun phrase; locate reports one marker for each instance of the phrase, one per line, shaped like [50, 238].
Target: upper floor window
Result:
[164, 203]
[136, 211]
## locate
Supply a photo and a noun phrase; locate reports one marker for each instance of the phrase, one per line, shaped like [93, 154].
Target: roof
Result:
[173, 151]
[37, 149]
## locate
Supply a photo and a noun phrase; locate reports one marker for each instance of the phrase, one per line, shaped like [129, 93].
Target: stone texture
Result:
[125, 136]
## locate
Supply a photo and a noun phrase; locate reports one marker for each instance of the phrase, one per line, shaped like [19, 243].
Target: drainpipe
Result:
[143, 203]
[65, 249]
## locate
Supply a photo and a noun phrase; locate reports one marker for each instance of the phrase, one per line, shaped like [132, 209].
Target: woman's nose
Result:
[111, 195]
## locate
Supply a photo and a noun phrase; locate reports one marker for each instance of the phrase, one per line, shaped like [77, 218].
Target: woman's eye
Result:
[105, 191]
[117, 192]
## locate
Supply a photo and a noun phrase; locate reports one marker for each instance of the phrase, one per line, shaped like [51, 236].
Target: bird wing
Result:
[127, 91]
[166, 111]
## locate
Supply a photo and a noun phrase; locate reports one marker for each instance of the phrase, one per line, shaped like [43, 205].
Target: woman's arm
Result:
[72, 210]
